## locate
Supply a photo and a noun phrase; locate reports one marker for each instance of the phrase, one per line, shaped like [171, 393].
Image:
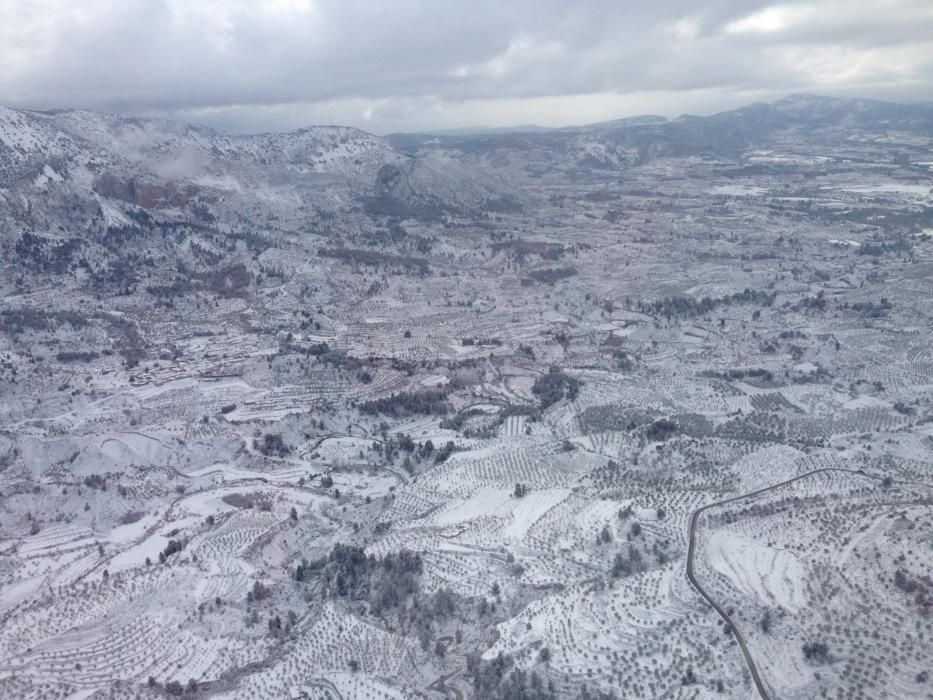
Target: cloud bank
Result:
[423, 64]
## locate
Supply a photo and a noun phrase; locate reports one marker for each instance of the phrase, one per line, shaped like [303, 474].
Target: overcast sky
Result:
[407, 65]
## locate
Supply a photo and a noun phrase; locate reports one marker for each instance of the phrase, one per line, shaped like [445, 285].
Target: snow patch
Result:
[774, 576]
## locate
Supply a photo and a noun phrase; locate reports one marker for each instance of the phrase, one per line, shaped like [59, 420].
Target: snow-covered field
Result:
[327, 415]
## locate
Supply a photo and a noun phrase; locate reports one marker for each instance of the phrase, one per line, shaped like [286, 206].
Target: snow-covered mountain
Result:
[596, 150]
[115, 169]
[161, 165]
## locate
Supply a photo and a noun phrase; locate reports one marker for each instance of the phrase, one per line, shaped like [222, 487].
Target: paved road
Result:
[691, 551]
[442, 686]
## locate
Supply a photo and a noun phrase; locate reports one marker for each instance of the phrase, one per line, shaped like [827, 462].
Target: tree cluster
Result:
[347, 572]
[272, 445]
[554, 386]
[431, 402]
[681, 306]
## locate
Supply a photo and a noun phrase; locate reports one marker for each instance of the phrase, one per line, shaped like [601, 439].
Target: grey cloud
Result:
[244, 64]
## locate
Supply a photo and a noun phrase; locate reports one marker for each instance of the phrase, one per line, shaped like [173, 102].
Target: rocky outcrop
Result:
[144, 194]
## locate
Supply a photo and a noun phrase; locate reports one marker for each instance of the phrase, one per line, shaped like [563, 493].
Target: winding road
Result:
[691, 551]
[442, 686]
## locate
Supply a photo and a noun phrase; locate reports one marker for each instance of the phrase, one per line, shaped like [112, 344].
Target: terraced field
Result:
[638, 428]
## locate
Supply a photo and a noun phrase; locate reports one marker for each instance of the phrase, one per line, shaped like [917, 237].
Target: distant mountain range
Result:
[806, 106]
[78, 170]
